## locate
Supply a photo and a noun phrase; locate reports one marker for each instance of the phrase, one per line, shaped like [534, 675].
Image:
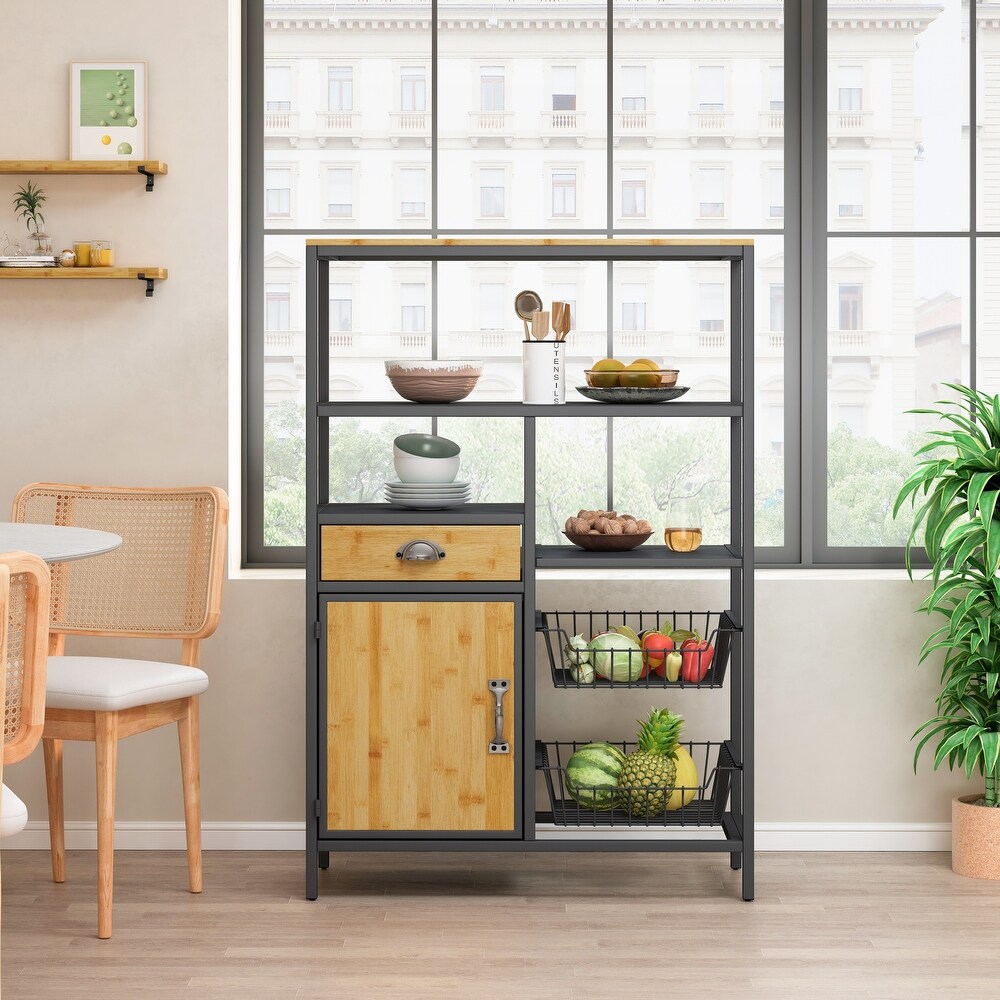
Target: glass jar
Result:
[683, 529]
[82, 250]
[102, 253]
[39, 244]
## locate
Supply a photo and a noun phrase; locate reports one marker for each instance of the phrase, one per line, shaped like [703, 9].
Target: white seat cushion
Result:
[110, 683]
[13, 813]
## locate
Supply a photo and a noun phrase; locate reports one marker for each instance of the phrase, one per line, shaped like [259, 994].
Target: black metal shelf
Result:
[644, 557]
[374, 513]
[390, 408]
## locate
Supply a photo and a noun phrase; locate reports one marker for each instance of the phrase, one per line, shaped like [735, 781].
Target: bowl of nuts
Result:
[607, 531]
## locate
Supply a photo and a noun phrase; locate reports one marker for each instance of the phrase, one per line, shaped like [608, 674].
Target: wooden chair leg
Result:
[107, 767]
[53, 752]
[188, 735]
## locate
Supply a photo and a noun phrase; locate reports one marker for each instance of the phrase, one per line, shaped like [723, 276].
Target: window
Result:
[412, 185]
[776, 193]
[775, 88]
[491, 88]
[711, 307]
[413, 315]
[564, 88]
[494, 306]
[850, 192]
[712, 192]
[277, 300]
[849, 299]
[277, 88]
[776, 298]
[852, 416]
[340, 185]
[850, 88]
[633, 88]
[633, 307]
[414, 81]
[340, 88]
[278, 192]
[633, 193]
[564, 193]
[711, 88]
[341, 308]
[491, 192]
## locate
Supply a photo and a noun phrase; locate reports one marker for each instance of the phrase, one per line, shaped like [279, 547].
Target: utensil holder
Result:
[544, 364]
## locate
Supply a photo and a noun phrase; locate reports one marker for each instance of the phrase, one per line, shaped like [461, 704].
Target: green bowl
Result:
[427, 446]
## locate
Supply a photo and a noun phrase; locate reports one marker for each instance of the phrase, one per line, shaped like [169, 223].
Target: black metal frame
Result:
[735, 754]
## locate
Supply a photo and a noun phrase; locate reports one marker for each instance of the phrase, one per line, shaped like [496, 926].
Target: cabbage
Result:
[616, 657]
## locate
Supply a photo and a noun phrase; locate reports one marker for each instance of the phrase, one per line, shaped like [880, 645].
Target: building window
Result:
[711, 307]
[278, 192]
[340, 88]
[341, 308]
[776, 193]
[340, 187]
[850, 192]
[493, 306]
[491, 193]
[491, 88]
[850, 86]
[712, 192]
[414, 84]
[277, 304]
[564, 88]
[564, 194]
[776, 297]
[711, 88]
[277, 88]
[634, 194]
[633, 307]
[849, 301]
[413, 309]
[633, 88]
[775, 88]
[412, 192]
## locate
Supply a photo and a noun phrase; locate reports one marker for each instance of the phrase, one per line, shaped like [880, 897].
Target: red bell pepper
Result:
[655, 646]
[696, 658]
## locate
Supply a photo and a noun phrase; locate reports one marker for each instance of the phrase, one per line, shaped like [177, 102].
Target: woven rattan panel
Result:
[157, 581]
[15, 657]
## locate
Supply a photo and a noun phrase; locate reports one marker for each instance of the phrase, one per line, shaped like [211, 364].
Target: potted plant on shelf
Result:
[27, 205]
[955, 491]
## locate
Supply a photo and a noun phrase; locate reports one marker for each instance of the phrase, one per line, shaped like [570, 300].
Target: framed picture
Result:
[107, 111]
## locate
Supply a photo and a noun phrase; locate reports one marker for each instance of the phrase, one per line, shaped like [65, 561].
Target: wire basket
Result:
[703, 667]
[638, 807]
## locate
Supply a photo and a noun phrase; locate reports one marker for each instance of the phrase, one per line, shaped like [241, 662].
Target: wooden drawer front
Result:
[410, 715]
[472, 552]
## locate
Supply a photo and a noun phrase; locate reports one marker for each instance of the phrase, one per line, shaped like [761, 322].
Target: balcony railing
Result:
[769, 343]
[851, 341]
[635, 124]
[281, 123]
[338, 125]
[849, 125]
[771, 126]
[562, 125]
[711, 125]
[284, 340]
[409, 125]
[490, 125]
[357, 344]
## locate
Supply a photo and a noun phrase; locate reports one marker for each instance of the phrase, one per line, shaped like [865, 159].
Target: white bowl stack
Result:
[426, 481]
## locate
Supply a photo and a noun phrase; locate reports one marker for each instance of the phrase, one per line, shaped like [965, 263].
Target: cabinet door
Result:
[410, 714]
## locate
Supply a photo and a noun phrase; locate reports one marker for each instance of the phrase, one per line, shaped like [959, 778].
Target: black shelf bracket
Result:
[149, 285]
[150, 177]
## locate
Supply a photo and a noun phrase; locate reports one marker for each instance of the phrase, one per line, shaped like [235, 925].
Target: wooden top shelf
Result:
[81, 166]
[84, 272]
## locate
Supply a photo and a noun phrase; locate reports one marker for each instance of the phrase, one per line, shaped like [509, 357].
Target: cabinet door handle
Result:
[499, 688]
[420, 550]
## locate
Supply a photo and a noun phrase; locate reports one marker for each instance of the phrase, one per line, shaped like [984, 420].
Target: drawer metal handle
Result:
[420, 550]
[499, 688]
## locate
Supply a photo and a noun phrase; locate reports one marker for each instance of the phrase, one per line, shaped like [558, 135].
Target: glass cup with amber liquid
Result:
[683, 530]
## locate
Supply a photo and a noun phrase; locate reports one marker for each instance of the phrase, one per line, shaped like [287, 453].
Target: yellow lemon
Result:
[645, 363]
[687, 778]
[608, 365]
[106, 139]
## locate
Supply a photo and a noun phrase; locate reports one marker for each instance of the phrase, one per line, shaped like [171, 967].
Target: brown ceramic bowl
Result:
[608, 543]
[434, 388]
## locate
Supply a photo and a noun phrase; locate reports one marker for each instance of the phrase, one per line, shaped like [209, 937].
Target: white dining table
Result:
[55, 543]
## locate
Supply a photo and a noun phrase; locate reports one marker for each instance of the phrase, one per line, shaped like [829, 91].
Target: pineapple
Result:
[650, 773]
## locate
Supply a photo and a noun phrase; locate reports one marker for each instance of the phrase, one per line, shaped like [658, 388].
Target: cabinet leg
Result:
[312, 869]
[748, 879]
[736, 861]
[324, 860]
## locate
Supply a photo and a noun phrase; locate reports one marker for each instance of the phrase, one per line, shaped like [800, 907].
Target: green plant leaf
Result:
[976, 486]
[991, 750]
[947, 745]
[971, 756]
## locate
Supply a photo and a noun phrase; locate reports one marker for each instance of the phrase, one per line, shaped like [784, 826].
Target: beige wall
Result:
[99, 384]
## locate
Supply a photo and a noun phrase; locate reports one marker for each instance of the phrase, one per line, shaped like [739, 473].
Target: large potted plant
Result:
[955, 492]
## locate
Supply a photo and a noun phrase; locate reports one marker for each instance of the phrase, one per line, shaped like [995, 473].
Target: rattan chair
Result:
[164, 581]
[24, 622]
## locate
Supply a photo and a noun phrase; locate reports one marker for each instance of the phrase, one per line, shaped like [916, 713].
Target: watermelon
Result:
[592, 774]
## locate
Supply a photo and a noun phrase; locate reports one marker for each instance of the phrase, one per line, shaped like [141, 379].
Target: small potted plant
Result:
[955, 492]
[27, 205]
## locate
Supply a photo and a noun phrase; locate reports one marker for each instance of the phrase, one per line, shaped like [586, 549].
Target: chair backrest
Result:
[26, 653]
[164, 580]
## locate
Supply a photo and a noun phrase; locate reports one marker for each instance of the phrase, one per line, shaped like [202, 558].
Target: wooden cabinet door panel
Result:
[410, 715]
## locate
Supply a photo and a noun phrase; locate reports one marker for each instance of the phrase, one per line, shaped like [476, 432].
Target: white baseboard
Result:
[82, 836]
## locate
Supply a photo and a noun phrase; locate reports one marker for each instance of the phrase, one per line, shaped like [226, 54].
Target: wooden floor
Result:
[531, 927]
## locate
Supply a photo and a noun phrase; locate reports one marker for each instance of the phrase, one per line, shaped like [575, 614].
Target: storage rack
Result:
[723, 800]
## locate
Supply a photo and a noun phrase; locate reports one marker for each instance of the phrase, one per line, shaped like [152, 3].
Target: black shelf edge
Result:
[384, 513]
[389, 408]
[646, 556]
[563, 681]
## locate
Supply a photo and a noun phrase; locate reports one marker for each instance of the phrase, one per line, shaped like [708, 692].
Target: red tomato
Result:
[655, 646]
[696, 658]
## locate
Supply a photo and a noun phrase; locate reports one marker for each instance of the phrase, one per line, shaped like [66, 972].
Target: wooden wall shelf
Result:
[147, 168]
[147, 274]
